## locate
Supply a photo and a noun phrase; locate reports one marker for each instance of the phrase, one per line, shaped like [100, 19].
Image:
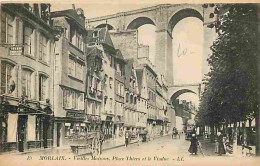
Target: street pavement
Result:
[160, 151]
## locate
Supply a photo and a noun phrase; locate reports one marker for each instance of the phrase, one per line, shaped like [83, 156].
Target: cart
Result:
[92, 140]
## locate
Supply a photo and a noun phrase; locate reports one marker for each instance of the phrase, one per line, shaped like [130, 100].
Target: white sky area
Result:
[187, 50]
[187, 43]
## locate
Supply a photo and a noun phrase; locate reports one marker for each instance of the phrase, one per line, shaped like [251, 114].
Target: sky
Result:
[186, 44]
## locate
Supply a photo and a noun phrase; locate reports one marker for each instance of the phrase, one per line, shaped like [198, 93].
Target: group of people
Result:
[219, 149]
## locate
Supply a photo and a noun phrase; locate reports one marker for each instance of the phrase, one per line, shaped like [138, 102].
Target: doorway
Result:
[22, 134]
[58, 134]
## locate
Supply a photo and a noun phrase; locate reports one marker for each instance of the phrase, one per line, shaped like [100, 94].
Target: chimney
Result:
[73, 6]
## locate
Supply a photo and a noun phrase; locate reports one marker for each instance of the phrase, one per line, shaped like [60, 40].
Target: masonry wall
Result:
[143, 51]
[127, 42]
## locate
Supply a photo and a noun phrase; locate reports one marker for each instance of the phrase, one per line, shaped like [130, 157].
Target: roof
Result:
[72, 15]
[101, 37]
[94, 51]
[119, 55]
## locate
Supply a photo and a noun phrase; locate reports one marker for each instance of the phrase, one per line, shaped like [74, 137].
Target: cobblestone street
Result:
[163, 151]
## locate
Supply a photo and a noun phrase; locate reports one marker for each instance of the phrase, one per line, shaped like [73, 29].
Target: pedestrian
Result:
[174, 130]
[193, 149]
[220, 144]
[126, 138]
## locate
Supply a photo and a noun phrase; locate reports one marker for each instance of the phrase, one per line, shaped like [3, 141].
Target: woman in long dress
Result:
[194, 145]
[220, 149]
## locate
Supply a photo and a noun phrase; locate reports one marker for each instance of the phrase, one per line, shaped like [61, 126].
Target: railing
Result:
[15, 49]
[93, 118]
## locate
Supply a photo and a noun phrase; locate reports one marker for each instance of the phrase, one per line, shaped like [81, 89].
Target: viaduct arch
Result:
[164, 17]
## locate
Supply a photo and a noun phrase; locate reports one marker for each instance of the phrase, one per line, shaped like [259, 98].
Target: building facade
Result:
[100, 39]
[94, 88]
[119, 94]
[131, 94]
[26, 94]
[70, 74]
[161, 105]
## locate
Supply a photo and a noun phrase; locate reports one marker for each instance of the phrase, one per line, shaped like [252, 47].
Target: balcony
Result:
[93, 118]
[14, 49]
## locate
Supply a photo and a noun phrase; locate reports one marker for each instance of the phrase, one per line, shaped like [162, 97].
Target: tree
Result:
[231, 94]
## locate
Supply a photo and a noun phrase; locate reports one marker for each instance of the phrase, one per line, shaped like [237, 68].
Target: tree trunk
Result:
[235, 139]
[250, 132]
[244, 133]
[225, 130]
[212, 134]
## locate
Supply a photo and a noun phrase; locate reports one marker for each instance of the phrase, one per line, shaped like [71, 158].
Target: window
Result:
[43, 48]
[131, 99]
[79, 41]
[122, 90]
[43, 85]
[26, 83]
[110, 82]
[73, 99]
[28, 40]
[73, 95]
[57, 61]
[6, 28]
[71, 67]
[111, 103]
[127, 97]
[95, 34]
[79, 71]
[118, 88]
[75, 69]
[72, 33]
[6, 78]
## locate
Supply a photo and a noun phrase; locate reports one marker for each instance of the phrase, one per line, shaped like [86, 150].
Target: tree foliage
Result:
[231, 89]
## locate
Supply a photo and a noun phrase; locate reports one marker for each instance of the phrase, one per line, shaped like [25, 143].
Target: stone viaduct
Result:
[164, 17]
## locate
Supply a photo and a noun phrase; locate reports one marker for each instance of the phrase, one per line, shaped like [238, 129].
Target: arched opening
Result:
[146, 37]
[185, 103]
[136, 23]
[187, 51]
[185, 13]
[109, 27]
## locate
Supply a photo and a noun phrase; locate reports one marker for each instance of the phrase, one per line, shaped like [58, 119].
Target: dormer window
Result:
[95, 34]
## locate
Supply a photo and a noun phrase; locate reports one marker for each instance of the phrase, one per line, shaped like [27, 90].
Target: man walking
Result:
[126, 138]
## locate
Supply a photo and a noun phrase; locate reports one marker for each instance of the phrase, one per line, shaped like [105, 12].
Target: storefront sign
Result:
[77, 115]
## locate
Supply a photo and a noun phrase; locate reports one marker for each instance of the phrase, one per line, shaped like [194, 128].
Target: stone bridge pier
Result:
[164, 17]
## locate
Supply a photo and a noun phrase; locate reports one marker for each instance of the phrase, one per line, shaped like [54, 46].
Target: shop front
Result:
[93, 123]
[119, 127]
[108, 127]
[66, 128]
[24, 125]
